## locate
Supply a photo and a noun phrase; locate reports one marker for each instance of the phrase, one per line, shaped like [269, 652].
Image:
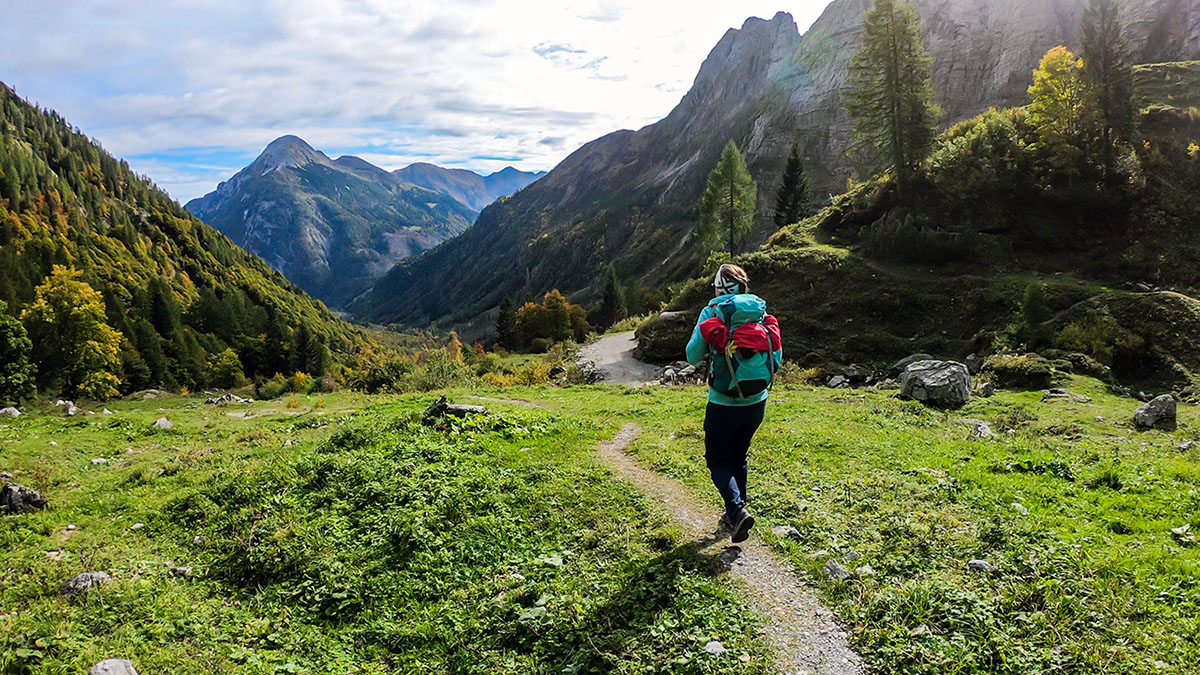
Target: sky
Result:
[189, 92]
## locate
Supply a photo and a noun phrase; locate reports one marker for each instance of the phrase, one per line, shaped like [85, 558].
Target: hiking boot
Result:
[741, 526]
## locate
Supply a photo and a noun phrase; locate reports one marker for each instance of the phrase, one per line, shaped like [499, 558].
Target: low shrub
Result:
[1028, 371]
[272, 388]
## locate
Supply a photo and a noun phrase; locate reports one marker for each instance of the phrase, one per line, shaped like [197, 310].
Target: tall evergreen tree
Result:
[791, 202]
[891, 91]
[1109, 74]
[730, 202]
[612, 305]
[506, 324]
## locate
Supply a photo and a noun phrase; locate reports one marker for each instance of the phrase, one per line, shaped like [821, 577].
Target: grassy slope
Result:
[370, 545]
[392, 544]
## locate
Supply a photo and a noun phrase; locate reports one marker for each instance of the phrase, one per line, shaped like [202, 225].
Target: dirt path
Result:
[613, 356]
[808, 639]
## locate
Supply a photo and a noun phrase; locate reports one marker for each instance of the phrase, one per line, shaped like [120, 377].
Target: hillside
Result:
[630, 197]
[874, 277]
[467, 187]
[331, 227]
[178, 291]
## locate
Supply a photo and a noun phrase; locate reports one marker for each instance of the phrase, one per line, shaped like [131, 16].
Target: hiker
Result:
[744, 348]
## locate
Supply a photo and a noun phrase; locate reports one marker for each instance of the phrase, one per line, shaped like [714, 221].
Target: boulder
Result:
[10, 412]
[113, 667]
[1064, 395]
[974, 364]
[986, 390]
[82, 583]
[900, 366]
[225, 398]
[855, 375]
[980, 565]
[664, 338]
[834, 570]
[163, 423]
[20, 499]
[1159, 413]
[942, 383]
[838, 382]
[443, 407]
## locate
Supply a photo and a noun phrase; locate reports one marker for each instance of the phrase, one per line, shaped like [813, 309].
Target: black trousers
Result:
[728, 431]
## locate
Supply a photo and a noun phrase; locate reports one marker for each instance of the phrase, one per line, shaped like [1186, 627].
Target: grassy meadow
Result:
[338, 533]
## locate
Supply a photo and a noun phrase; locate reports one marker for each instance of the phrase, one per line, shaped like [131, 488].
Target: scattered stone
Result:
[287, 443]
[1099, 418]
[56, 556]
[943, 383]
[715, 648]
[4, 475]
[680, 373]
[887, 385]
[174, 571]
[54, 444]
[1123, 392]
[82, 583]
[98, 461]
[197, 540]
[864, 571]
[1157, 414]
[1183, 534]
[834, 570]
[443, 407]
[20, 499]
[1064, 395]
[981, 565]
[557, 372]
[10, 412]
[225, 398]
[986, 390]
[853, 556]
[1186, 446]
[785, 532]
[113, 667]
[855, 375]
[837, 382]
[1020, 508]
[974, 364]
[163, 423]
[106, 412]
[981, 431]
[902, 365]
[137, 526]
[72, 527]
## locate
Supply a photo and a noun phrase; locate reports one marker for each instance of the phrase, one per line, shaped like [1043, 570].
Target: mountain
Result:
[631, 197]
[467, 187]
[332, 227]
[178, 291]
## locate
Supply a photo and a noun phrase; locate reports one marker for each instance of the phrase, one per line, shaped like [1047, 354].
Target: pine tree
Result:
[730, 202]
[612, 305]
[791, 202]
[891, 91]
[1109, 75]
[506, 324]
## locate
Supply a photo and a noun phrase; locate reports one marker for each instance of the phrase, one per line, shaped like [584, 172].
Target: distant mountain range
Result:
[631, 197]
[334, 226]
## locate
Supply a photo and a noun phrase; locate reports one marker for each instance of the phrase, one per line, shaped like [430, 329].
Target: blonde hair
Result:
[737, 274]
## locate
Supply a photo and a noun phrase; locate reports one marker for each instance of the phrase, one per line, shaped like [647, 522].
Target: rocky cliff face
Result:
[331, 227]
[630, 197]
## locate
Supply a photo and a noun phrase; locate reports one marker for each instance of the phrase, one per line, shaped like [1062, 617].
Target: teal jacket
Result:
[698, 351]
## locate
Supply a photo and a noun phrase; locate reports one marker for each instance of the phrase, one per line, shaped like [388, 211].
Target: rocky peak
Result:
[288, 152]
[740, 62]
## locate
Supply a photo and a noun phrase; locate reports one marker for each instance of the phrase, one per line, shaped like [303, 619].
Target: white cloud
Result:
[171, 83]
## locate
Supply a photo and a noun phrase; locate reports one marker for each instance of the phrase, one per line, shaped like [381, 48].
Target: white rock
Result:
[1019, 508]
[137, 526]
[715, 648]
[98, 461]
[113, 667]
[106, 412]
[981, 565]
[163, 423]
[10, 412]
[864, 571]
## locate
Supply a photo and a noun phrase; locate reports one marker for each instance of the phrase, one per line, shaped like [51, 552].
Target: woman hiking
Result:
[744, 348]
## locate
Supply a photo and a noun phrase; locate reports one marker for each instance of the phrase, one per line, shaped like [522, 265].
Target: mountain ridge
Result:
[631, 197]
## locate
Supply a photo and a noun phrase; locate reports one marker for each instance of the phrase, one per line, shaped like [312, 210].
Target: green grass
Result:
[1090, 580]
[369, 544]
[375, 544]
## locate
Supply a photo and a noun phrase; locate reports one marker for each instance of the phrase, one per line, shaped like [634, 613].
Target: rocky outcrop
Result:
[20, 499]
[82, 583]
[941, 383]
[1159, 413]
[664, 338]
